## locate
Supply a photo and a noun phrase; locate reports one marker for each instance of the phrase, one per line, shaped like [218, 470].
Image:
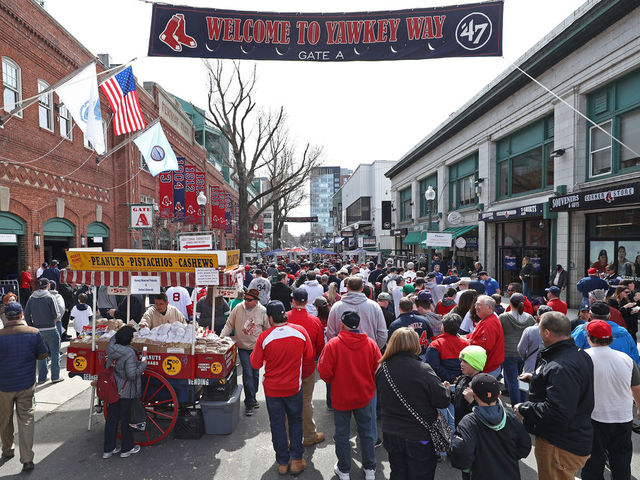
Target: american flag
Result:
[123, 98]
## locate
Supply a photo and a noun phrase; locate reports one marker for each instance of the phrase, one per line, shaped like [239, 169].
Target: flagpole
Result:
[25, 104]
[118, 69]
[99, 158]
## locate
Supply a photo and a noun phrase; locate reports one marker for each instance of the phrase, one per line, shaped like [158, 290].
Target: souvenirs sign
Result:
[470, 30]
[148, 262]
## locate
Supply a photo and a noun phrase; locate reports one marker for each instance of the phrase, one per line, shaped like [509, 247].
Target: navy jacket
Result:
[20, 347]
[417, 323]
[589, 284]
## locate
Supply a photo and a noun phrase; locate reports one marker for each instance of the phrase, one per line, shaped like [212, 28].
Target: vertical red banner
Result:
[190, 195]
[201, 187]
[215, 207]
[165, 190]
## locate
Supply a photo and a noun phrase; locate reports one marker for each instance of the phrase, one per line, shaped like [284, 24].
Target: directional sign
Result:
[196, 242]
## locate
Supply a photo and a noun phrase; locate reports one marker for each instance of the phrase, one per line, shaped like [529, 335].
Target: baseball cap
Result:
[13, 310]
[486, 387]
[384, 296]
[431, 275]
[600, 308]
[319, 301]
[247, 267]
[253, 293]
[555, 290]
[595, 328]
[424, 296]
[52, 284]
[408, 288]
[592, 271]
[481, 273]
[300, 295]
[275, 309]
[43, 283]
[410, 265]
[474, 355]
[350, 319]
[54, 262]
[585, 308]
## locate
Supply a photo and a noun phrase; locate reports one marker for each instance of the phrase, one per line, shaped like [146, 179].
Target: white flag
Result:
[156, 150]
[80, 96]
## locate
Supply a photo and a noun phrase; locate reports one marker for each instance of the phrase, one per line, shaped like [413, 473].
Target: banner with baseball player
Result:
[470, 30]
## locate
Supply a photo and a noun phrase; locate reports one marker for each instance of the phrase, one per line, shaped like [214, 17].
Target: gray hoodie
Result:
[437, 291]
[513, 325]
[127, 367]
[40, 311]
[371, 318]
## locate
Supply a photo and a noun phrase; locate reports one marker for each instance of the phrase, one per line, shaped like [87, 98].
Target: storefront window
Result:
[536, 234]
[405, 204]
[601, 149]
[527, 171]
[512, 234]
[614, 238]
[630, 136]
[462, 183]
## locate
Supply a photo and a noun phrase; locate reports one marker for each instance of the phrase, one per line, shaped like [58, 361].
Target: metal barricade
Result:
[9, 286]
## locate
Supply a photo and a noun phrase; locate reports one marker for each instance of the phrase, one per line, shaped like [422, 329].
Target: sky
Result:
[357, 112]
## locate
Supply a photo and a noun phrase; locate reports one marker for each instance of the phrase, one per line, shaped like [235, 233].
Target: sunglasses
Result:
[250, 299]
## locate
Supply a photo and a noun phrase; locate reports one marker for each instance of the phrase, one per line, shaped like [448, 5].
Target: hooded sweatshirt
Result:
[127, 368]
[314, 290]
[371, 318]
[489, 442]
[349, 363]
[41, 311]
[437, 291]
[513, 325]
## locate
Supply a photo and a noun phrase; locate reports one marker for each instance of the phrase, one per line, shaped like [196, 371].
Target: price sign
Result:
[171, 365]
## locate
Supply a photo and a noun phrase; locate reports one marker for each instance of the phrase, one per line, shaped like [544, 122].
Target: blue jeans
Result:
[250, 378]
[59, 328]
[410, 459]
[365, 420]
[526, 290]
[281, 410]
[52, 340]
[496, 373]
[118, 413]
[511, 368]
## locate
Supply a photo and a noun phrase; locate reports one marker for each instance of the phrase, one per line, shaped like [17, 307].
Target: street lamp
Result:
[202, 201]
[429, 196]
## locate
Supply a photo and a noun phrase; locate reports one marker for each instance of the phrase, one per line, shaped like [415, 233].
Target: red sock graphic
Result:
[180, 34]
[168, 35]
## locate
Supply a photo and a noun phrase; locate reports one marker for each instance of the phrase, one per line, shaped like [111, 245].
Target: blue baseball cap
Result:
[13, 310]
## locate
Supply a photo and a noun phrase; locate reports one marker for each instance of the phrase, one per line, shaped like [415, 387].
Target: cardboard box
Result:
[215, 365]
[80, 360]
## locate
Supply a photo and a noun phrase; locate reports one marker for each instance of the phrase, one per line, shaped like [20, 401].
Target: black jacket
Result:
[490, 441]
[561, 398]
[136, 308]
[526, 273]
[421, 388]
[460, 405]
[562, 279]
[282, 292]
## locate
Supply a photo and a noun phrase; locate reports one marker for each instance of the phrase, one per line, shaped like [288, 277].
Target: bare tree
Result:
[257, 141]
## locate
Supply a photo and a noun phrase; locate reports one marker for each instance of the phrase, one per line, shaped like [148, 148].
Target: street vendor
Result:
[161, 312]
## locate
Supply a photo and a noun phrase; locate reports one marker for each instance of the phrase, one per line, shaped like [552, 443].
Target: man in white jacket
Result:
[314, 290]
[371, 318]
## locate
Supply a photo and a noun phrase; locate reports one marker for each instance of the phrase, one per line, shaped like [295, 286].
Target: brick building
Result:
[53, 194]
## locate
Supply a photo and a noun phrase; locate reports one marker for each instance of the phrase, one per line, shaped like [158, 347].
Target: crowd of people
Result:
[415, 357]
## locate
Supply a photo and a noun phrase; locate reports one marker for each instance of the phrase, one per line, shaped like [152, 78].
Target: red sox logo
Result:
[608, 197]
[179, 207]
[174, 35]
[191, 210]
[166, 202]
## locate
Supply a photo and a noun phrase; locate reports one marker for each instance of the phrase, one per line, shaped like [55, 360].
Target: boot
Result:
[298, 466]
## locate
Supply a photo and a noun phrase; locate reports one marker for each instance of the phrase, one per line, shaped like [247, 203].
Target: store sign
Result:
[604, 197]
[400, 232]
[386, 214]
[439, 239]
[518, 212]
[8, 238]
[149, 262]
[346, 233]
[141, 216]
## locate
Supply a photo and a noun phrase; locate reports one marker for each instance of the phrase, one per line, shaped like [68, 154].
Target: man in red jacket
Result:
[349, 363]
[489, 334]
[516, 287]
[298, 315]
[282, 349]
[553, 300]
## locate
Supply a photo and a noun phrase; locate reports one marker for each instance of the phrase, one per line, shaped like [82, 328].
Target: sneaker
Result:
[110, 454]
[42, 382]
[341, 475]
[369, 474]
[28, 466]
[378, 443]
[8, 456]
[255, 406]
[298, 466]
[135, 449]
[57, 380]
[283, 469]
[318, 439]
[248, 411]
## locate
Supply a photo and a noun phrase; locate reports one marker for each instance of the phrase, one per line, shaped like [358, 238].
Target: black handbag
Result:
[439, 430]
[138, 418]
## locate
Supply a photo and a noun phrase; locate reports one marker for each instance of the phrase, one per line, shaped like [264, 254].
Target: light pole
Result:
[202, 201]
[429, 196]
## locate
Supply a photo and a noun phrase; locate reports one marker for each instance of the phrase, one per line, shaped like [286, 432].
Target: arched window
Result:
[12, 83]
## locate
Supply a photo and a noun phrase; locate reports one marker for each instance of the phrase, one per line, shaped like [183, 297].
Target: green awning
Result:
[459, 231]
[412, 238]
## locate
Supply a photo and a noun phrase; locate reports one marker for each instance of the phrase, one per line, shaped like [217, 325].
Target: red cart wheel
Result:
[161, 403]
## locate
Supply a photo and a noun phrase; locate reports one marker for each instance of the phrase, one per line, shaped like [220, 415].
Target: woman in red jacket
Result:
[25, 284]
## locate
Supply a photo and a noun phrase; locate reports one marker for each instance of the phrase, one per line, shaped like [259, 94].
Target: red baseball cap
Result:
[599, 329]
[592, 271]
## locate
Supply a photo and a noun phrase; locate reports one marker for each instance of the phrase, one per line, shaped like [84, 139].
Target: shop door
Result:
[12, 244]
[540, 260]
[509, 264]
[59, 234]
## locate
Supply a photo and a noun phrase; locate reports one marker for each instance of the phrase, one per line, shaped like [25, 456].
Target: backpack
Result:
[106, 387]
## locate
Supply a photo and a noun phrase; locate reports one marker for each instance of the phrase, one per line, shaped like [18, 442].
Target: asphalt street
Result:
[64, 448]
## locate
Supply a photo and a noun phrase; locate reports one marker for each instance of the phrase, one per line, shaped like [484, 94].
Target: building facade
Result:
[361, 198]
[324, 182]
[524, 172]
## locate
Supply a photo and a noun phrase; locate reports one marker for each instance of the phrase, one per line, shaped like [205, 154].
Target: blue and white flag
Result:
[80, 96]
[156, 150]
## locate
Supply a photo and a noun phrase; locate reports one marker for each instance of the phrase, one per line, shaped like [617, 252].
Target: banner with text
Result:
[190, 195]
[470, 30]
[201, 186]
[217, 207]
[166, 194]
[140, 261]
[227, 213]
[178, 192]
